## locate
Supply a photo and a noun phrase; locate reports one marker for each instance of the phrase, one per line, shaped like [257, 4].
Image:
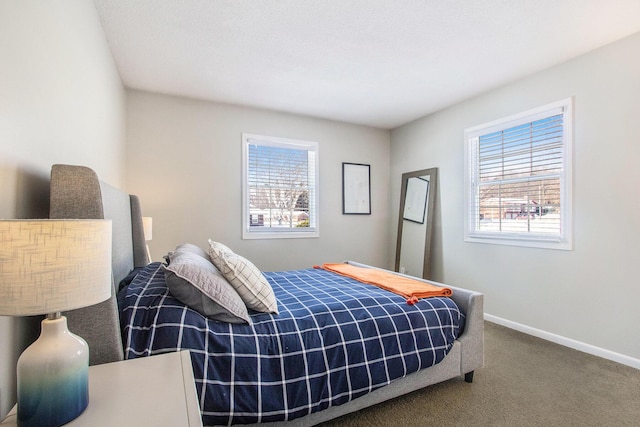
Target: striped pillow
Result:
[245, 277]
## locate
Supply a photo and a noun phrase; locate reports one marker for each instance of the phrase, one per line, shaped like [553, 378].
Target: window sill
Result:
[251, 235]
[529, 242]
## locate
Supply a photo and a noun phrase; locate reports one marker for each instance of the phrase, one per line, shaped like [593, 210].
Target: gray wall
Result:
[184, 161]
[61, 101]
[589, 294]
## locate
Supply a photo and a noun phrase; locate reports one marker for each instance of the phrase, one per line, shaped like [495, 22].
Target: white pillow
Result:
[245, 277]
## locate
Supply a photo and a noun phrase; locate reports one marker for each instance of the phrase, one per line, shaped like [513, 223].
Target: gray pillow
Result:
[197, 283]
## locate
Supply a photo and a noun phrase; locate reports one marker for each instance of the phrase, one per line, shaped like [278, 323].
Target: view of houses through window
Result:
[280, 186]
[519, 178]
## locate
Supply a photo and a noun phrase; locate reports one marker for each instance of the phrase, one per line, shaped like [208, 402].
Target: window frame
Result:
[249, 232]
[562, 240]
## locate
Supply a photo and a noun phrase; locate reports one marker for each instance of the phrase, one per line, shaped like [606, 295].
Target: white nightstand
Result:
[150, 391]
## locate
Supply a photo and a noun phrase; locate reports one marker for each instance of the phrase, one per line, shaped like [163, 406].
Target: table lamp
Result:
[147, 227]
[47, 267]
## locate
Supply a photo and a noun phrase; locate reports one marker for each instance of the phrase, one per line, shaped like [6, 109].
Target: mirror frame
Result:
[431, 198]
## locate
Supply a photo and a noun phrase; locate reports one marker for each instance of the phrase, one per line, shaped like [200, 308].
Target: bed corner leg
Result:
[468, 377]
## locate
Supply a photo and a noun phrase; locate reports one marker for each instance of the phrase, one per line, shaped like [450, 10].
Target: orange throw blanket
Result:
[411, 289]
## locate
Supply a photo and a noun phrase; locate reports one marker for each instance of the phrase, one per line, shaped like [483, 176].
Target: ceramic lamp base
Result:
[53, 386]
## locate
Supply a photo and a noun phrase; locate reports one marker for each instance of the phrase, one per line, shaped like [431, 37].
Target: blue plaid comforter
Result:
[334, 340]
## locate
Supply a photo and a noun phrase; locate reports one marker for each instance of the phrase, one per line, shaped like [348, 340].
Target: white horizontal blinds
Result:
[518, 178]
[281, 186]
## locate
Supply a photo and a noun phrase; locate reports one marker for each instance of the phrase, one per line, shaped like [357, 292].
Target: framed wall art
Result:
[356, 189]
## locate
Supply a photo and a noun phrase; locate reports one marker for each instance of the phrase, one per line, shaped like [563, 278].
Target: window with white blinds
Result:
[279, 188]
[519, 179]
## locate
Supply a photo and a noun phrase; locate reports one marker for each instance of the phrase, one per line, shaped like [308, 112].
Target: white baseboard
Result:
[567, 342]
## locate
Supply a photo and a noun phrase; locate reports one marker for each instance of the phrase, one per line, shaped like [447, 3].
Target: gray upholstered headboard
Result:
[77, 193]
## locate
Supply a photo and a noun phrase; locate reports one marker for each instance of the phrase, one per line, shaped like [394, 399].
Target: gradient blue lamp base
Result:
[53, 382]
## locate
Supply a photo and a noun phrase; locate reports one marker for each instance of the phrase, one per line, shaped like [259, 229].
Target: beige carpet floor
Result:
[526, 381]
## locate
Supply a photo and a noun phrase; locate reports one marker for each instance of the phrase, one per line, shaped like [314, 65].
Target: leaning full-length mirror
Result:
[415, 222]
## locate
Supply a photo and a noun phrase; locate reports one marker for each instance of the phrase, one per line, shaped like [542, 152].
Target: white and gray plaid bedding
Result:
[334, 340]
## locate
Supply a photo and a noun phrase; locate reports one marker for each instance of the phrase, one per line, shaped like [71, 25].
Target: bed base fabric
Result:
[77, 193]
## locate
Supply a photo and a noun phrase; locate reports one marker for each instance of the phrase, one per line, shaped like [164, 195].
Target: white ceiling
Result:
[380, 63]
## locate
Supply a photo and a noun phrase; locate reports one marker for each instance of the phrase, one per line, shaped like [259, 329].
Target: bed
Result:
[133, 323]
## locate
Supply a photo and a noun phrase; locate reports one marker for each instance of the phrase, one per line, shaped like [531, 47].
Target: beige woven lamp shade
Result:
[147, 226]
[49, 266]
